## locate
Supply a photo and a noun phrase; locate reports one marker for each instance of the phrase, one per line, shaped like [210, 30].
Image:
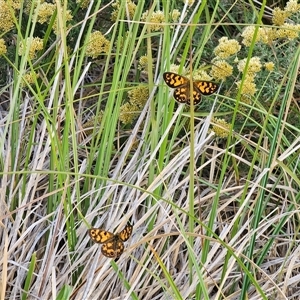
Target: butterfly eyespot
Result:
[181, 85]
[112, 244]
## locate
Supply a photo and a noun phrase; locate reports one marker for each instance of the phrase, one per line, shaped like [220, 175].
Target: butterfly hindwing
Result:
[113, 248]
[180, 95]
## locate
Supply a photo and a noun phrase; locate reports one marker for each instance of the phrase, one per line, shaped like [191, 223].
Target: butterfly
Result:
[181, 85]
[112, 244]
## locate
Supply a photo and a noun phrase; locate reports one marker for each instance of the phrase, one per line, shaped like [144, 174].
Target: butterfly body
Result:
[182, 85]
[112, 244]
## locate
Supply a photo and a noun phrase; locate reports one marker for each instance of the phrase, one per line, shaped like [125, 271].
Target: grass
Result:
[215, 217]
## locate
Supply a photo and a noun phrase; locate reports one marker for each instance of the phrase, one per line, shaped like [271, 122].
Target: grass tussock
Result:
[90, 136]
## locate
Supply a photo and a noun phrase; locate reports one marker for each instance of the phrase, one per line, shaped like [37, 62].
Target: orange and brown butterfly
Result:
[181, 85]
[112, 244]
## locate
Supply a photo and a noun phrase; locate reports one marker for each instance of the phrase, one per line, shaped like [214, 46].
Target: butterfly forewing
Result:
[125, 234]
[99, 235]
[174, 80]
[206, 87]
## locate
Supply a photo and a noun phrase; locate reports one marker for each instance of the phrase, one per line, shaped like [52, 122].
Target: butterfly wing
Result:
[196, 95]
[125, 234]
[113, 248]
[202, 87]
[174, 80]
[182, 94]
[205, 87]
[100, 236]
